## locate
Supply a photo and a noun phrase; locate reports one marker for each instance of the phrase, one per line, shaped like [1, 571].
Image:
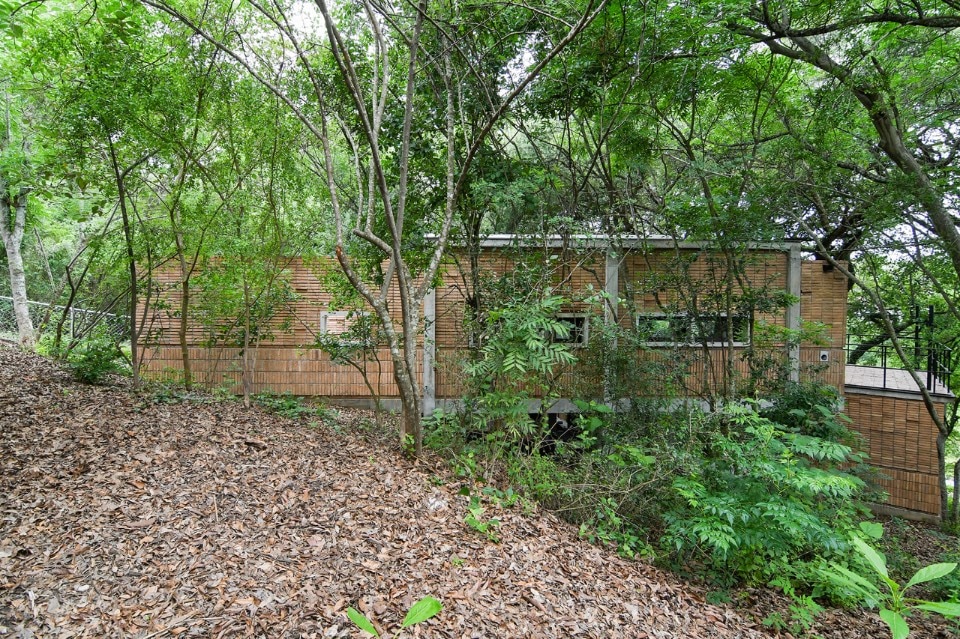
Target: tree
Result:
[374, 128]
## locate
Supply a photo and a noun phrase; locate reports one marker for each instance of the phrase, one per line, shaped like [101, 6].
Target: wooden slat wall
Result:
[901, 440]
[289, 363]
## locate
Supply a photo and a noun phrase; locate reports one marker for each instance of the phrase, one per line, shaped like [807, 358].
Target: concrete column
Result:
[794, 268]
[429, 352]
[612, 287]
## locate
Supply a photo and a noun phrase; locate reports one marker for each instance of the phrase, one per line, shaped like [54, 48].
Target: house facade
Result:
[696, 321]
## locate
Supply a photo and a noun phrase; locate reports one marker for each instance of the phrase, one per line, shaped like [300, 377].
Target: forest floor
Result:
[145, 516]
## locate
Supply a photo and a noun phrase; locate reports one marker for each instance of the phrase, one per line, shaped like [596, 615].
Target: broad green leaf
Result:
[941, 608]
[929, 573]
[871, 529]
[361, 622]
[421, 611]
[898, 627]
[875, 558]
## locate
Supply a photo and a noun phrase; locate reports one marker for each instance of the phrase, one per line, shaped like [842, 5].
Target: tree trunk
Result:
[955, 512]
[12, 243]
[246, 375]
[120, 176]
[184, 350]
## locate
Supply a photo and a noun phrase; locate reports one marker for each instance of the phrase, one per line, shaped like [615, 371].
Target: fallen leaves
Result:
[121, 517]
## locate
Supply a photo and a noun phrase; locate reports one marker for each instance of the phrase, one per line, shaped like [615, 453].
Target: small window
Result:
[664, 329]
[578, 328]
[351, 326]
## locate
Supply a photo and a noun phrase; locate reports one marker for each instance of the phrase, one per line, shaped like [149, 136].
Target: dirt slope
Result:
[123, 517]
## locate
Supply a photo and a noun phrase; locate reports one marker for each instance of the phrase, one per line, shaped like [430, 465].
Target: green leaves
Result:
[898, 626]
[893, 605]
[931, 572]
[876, 560]
[762, 498]
[361, 621]
[419, 612]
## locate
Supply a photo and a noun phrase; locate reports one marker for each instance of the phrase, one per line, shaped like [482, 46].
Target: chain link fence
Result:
[79, 321]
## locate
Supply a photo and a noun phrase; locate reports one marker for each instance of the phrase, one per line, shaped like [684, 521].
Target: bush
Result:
[286, 405]
[95, 358]
[761, 499]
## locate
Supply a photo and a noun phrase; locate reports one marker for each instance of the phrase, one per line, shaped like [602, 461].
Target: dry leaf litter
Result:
[122, 516]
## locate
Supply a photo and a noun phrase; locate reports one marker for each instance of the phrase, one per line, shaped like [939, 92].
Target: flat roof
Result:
[891, 379]
[604, 241]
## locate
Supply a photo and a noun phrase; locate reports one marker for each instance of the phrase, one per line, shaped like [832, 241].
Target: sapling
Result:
[419, 612]
[894, 605]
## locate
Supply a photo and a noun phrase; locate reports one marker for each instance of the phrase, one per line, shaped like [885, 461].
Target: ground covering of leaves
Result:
[124, 516]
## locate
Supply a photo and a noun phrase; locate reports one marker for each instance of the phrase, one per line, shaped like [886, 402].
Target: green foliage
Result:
[889, 596]
[424, 609]
[476, 521]
[514, 364]
[286, 405]
[95, 358]
[760, 497]
[607, 527]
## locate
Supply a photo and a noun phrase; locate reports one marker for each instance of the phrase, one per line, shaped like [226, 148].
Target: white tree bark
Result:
[13, 214]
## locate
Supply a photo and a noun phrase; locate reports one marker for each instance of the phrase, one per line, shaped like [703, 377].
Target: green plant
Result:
[419, 612]
[890, 597]
[802, 612]
[521, 348]
[474, 519]
[608, 527]
[286, 405]
[947, 588]
[757, 498]
[95, 358]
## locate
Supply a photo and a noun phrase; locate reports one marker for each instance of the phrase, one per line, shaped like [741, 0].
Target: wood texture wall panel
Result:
[287, 363]
[901, 439]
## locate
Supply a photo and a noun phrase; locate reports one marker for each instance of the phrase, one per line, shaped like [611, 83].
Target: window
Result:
[578, 328]
[663, 329]
[355, 327]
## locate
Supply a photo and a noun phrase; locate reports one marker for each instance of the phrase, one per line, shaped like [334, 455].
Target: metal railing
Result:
[932, 361]
[80, 321]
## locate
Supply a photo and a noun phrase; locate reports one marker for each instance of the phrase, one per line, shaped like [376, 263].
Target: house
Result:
[708, 322]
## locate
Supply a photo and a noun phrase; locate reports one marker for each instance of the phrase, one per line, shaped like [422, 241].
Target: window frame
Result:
[584, 334]
[347, 315]
[691, 329]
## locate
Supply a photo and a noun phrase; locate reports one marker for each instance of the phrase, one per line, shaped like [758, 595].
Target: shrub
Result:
[761, 498]
[95, 358]
[286, 405]
[890, 596]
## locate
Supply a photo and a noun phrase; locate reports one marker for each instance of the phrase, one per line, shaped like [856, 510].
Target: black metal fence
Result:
[932, 361]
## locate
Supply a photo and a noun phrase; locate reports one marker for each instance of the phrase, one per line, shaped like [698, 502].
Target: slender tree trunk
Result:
[120, 177]
[942, 472]
[184, 348]
[46, 262]
[12, 243]
[247, 372]
[955, 512]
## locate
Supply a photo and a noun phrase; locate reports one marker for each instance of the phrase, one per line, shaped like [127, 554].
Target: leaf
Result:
[361, 622]
[871, 555]
[929, 573]
[853, 581]
[871, 529]
[898, 627]
[421, 611]
[944, 608]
